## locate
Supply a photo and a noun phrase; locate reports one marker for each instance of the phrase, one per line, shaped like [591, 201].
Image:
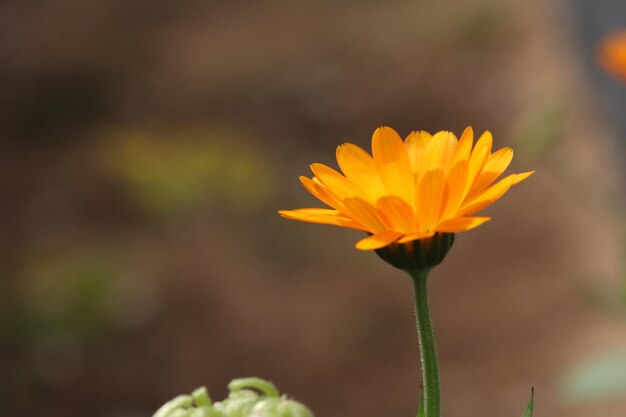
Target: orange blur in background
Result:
[612, 54]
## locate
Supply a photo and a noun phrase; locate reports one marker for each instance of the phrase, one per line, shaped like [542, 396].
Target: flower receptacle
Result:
[419, 254]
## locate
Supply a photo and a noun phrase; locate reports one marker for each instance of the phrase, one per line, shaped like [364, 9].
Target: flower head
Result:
[611, 54]
[409, 190]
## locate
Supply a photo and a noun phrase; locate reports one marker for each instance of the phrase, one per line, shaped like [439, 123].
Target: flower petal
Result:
[392, 161]
[321, 216]
[378, 240]
[461, 224]
[521, 177]
[397, 213]
[387, 146]
[319, 192]
[415, 236]
[431, 199]
[457, 179]
[336, 184]
[415, 145]
[477, 159]
[439, 152]
[492, 194]
[358, 166]
[487, 197]
[365, 214]
[463, 147]
[496, 164]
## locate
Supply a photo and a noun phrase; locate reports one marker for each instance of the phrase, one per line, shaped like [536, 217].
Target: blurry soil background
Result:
[146, 147]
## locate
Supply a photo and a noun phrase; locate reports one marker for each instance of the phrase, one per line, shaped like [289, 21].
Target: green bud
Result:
[249, 397]
[280, 407]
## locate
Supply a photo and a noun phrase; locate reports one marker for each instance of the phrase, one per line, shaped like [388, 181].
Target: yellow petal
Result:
[463, 147]
[521, 177]
[415, 236]
[477, 159]
[377, 240]
[322, 216]
[487, 197]
[439, 152]
[457, 180]
[431, 199]
[365, 214]
[387, 146]
[397, 213]
[415, 145]
[461, 224]
[496, 164]
[336, 184]
[392, 160]
[323, 191]
[319, 192]
[359, 168]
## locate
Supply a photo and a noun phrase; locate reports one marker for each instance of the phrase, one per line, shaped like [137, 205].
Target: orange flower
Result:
[409, 189]
[611, 54]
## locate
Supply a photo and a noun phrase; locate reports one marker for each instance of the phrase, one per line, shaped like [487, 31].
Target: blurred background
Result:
[146, 146]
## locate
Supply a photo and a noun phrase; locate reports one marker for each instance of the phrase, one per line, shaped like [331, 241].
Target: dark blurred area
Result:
[146, 146]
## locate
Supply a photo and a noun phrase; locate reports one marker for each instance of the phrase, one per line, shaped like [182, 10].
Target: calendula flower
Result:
[611, 54]
[409, 190]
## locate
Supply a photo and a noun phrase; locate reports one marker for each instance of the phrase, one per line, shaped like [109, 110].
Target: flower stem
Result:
[428, 350]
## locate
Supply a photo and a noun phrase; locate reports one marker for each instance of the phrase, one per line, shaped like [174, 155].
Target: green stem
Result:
[428, 350]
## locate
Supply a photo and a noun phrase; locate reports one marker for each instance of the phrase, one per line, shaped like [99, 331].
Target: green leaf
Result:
[529, 407]
[420, 408]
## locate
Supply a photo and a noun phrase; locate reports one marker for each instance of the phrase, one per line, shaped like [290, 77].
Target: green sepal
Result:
[418, 255]
[529, 407]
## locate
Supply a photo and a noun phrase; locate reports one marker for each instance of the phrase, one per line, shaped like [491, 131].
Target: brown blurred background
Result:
[145, 147]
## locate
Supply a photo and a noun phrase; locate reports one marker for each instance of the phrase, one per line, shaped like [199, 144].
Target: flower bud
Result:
[249, 397]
